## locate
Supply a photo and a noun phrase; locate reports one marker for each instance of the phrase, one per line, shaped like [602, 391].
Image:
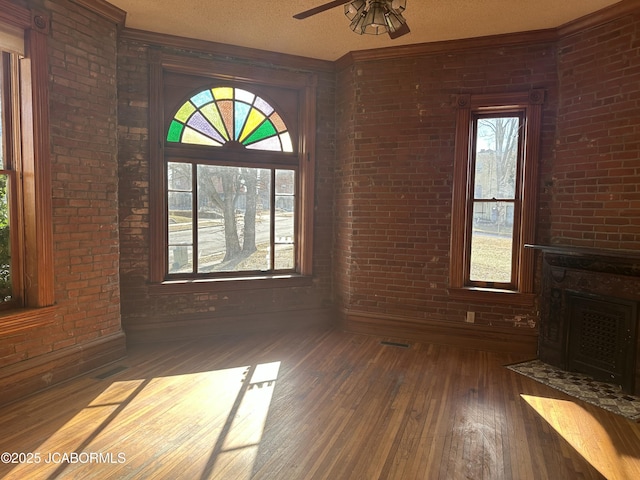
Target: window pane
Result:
[5, 241]
[218, 240]
[180, 218]
[180, 232]
[284, 220]
[262, 255]
[285, 257]
[234, 221]
[180, 259]
[492, 242]
[496, 157]
[179, 176]
[210, 224]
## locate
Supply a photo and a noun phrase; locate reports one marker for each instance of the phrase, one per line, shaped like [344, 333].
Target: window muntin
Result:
[233, 214]
[494, 201]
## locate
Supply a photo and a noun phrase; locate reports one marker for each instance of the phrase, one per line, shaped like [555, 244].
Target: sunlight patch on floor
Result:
[579, 428]
[240, 445]
[158, 427]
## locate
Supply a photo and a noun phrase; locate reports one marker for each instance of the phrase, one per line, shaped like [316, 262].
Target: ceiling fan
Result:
[368, 16]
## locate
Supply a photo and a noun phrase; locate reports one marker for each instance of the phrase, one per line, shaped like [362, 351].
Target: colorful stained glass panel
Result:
[216, 116]
[223, 93]
[202, 98]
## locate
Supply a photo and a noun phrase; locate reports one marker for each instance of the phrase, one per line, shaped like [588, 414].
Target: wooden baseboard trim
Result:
[38, 373]
[187, 327]
[477, 337]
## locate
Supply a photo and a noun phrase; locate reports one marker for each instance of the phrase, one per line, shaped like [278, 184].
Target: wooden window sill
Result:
[25, 318]
[492, 295]
[171, 287]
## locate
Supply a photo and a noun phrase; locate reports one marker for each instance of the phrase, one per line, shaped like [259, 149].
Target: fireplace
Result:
[589, 313]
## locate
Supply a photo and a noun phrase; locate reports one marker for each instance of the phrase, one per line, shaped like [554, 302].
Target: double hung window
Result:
[494, 202]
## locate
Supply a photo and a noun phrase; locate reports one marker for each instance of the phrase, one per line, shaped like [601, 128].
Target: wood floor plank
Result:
[313, 405]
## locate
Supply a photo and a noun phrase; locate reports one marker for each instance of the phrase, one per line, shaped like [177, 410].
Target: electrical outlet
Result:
[471, 317]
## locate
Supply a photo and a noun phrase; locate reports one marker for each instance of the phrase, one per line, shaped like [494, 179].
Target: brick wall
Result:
[84, 170]
[595, 178]
[149, 316]
[82, 65]
[394, 175]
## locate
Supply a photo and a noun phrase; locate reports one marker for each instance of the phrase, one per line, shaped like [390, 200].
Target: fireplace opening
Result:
[602, 337]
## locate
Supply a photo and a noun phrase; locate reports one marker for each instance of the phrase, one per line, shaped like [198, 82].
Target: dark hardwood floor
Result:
[312, 405]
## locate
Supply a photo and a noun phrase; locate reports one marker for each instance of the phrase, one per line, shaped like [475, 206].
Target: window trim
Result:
[305, 84]
[34, 168]
[531, 103]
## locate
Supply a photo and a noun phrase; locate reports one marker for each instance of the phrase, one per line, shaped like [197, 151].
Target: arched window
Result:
[231, 194]
[220, 115]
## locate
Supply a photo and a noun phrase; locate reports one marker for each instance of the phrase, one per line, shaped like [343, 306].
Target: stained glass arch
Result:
[219, 115]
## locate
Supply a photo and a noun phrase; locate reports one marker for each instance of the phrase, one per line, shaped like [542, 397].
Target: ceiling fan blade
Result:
[403, 30]
[321, 8]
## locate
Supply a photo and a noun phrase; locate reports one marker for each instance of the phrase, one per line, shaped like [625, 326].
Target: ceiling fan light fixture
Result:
[375, 17]
[355, 8]
[375, 22]
[394, 21]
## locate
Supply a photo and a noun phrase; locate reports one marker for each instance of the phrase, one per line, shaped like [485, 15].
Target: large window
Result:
[233, 180]
[495, 194]
[230, 218]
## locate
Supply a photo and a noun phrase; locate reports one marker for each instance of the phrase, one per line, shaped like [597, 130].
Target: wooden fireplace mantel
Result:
[617, 262]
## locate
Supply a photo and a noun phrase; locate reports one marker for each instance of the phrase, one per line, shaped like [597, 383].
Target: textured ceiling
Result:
[269, 25]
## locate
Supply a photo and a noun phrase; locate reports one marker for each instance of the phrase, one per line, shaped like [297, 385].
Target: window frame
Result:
[468, 107]
[30, 149]
[472, 200]
[242, 76]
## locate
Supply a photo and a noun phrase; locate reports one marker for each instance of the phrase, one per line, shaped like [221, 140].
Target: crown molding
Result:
[14, 14]
[466, 44]
[227, 51]
[105, 10]
[605, 15]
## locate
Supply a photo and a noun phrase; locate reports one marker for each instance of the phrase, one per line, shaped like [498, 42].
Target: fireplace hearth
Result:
[589, 313]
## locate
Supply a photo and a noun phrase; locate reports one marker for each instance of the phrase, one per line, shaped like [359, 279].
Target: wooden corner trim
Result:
[40, 22]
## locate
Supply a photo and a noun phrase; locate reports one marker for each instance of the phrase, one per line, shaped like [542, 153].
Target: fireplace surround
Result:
[589, 313]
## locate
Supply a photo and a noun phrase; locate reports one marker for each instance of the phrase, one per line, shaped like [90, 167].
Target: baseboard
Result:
[30, 376]
[186, 327]
[478, 337]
